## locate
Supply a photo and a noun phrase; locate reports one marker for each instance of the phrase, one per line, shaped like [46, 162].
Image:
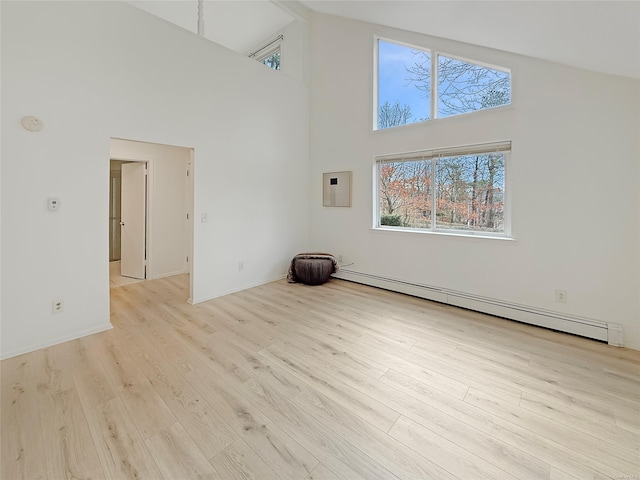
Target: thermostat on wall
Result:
[53, 204]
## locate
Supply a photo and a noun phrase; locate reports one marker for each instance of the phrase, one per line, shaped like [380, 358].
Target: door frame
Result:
[141, 156]
[190, 205]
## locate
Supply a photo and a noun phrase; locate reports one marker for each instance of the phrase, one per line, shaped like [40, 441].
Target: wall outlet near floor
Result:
[241, 266]
[561, 296]
[57, 306]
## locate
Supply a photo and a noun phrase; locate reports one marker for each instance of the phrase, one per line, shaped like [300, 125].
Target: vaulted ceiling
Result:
[238, 25]
[603, 36]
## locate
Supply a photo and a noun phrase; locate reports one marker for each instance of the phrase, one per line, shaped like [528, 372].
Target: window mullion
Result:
[433, 193]
[434, 85]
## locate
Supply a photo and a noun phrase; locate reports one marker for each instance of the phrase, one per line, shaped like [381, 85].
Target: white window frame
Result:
[503, 147]
[433, 98]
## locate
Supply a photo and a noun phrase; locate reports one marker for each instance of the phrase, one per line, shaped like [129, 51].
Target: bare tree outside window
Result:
[393, 115]
[273, 60]
[463, 87]
[469, 193]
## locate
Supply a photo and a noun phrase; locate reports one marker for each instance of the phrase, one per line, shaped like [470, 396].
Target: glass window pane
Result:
[273, 60]
[401, 98]
[405, 194]
[465, 87]
[470, 193]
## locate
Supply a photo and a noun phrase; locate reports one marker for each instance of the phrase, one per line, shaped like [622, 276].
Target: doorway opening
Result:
[150, 211]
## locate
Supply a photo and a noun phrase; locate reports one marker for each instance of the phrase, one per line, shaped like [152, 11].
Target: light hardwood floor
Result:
[339, 381]
[117, 280]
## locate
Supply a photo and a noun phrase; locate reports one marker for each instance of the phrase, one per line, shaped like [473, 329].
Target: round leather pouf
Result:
[313, 271]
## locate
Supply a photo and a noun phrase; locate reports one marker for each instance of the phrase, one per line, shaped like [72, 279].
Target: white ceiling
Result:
[596, 35]
[603, 36]
[239, 25]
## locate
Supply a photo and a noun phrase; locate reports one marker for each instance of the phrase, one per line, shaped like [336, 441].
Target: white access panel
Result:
[336, 189]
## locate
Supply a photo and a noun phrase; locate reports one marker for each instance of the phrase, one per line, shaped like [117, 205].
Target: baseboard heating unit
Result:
[584, 327]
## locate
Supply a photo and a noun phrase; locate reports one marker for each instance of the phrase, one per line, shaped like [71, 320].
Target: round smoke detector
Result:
[32, 124]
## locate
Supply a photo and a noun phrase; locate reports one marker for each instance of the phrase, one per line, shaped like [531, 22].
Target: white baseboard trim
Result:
[55, 341]
[165, 275]
[576, 325]
[234, 290]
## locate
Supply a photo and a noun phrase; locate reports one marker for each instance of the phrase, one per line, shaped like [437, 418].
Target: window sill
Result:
[457, 234]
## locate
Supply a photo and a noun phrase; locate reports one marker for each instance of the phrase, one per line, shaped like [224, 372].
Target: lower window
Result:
[455, 190]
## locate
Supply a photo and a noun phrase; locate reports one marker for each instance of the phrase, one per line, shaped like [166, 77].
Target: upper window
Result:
[269, 54]
[455, 190]
[415, 85]
[272, 60]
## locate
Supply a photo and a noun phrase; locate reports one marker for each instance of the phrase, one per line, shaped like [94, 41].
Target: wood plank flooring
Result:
[339, 381]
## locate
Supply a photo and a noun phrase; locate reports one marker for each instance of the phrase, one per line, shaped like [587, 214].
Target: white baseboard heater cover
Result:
[543, 318]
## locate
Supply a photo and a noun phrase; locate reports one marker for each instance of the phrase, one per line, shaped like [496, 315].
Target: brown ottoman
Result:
[313, 271]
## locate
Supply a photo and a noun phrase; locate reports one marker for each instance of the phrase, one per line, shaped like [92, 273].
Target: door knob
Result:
[122, 223]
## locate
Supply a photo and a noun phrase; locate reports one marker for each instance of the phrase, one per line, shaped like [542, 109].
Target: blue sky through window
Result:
[393, 80]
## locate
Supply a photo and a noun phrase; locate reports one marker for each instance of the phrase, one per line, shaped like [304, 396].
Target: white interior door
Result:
[133, 220]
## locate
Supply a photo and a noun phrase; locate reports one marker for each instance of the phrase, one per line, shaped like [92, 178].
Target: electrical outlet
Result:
[561, 296]
[241, 266]
[57, 306]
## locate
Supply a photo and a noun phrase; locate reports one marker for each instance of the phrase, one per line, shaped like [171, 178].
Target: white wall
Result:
[96, 70]
[574, 177]
[294, 61]
[168, 202]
